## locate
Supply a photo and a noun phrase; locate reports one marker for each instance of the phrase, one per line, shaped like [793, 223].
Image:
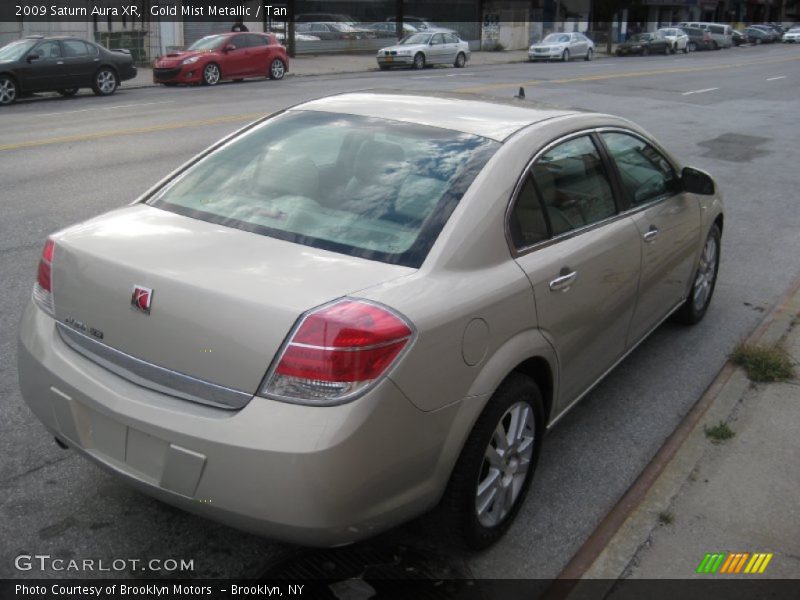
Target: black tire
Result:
[277, 69]
[565, 56]
[667, 50]
[589, 55]
[68, 92]
[693, 312]
[383, 67]
[715, 46]
[691, 47]
[105, 81]
[461, 61]
[758, 41]
[211, 74]
[459, 505]
[9, 90]
[686, 49]
[419, 61]
[645, 51]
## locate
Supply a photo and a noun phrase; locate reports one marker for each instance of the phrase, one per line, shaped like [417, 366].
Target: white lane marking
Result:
[774, 78]
[70, 112]
[698, 91]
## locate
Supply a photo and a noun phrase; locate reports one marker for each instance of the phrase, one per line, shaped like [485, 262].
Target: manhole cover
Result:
[735, 147]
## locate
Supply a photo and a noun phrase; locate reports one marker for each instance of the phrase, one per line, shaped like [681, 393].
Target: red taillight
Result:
[43, 290]
[337, 351]
[45, 266]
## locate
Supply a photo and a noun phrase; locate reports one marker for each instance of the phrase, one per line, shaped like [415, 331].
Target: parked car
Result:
[757, 35]
[385, 29]
[422, 24]
[272, 330]
[562, 46]
[61, 64]
[739, 37]
[423, 49]
[677, 38]
[791, 36]
[721, 35]
[644, 44]
[699, 39]
[224, 56]
[334, 31]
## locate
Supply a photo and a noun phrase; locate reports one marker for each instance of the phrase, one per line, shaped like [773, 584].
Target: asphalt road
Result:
[732, 113]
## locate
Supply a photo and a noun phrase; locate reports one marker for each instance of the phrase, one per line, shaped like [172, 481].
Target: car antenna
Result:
[521, 94]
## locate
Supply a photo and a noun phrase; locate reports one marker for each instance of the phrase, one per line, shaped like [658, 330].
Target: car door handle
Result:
[563, 282]
[651, 234]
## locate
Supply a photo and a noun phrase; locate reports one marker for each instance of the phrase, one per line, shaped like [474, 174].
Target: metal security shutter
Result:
[194, 30]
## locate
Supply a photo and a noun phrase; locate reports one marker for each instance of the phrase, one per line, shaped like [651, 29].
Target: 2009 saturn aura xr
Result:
[363, 307]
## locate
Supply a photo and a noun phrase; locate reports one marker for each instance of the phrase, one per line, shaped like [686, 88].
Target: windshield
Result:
[556, 38]
[15, 50]
[366, 187]
[417, 38]
[208, 43]
[641, 37]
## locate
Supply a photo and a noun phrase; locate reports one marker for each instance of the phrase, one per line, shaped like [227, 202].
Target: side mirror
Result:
[697, 182]
[33, 57]
[228, 48]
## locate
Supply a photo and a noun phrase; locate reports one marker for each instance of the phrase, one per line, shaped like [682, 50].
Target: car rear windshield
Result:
[372, 188]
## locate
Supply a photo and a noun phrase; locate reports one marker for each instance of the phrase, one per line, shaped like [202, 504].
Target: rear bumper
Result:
[313, 476]
[127, 72]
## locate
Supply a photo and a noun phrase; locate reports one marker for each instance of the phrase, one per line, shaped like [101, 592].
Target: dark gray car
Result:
[61, 64]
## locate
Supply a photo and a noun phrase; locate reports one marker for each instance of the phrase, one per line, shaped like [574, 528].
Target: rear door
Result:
[236, 61]
[668, 222]
[581, 257]
[81, 60]
[257, 54]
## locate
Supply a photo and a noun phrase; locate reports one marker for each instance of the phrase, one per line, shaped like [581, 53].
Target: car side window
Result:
[645, 173]
[74, 48]
[438, 39]
[450, 38]
[240, 41]
[574, 186]
[254, 41]
[49, 49]
[527, 224]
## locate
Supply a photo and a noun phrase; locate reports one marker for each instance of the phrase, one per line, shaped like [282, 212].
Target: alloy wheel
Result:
[211, 74]
[277, 70]
[706, 273]
[106, 82]
[8, 91]
[506, 461]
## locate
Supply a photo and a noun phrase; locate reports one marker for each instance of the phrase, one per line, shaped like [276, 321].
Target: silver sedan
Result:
[677, 38]
[562, 46]
[425, 48]
[364, 307]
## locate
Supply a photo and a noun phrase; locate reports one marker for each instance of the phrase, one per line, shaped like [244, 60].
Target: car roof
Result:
[491, 118]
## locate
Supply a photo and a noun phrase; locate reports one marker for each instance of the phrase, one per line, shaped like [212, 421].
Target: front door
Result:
[668, 223]
[582, 259]
[47, 70]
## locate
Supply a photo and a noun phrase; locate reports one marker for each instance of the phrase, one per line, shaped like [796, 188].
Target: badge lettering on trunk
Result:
[142, 298]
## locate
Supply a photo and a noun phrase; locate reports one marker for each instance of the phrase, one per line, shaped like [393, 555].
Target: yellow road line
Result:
[667, 71]
[135, 131]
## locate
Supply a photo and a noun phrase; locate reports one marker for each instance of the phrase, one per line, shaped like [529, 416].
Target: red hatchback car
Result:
[224, 56]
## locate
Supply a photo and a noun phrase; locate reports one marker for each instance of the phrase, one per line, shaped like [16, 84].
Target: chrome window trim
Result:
[153, 377]
[519, 252]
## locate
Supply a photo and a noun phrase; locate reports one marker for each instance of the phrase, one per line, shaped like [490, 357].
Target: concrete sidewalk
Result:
[741, 495]
[332, 64]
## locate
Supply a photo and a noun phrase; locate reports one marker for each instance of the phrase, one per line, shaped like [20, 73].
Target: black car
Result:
[644, 44]
[60, 64]
[760, 35]
[739, 37]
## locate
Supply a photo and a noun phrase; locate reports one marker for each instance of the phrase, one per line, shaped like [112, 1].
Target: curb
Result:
[615, 541]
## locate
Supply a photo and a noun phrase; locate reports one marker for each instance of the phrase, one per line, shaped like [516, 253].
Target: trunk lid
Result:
[223, 300]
